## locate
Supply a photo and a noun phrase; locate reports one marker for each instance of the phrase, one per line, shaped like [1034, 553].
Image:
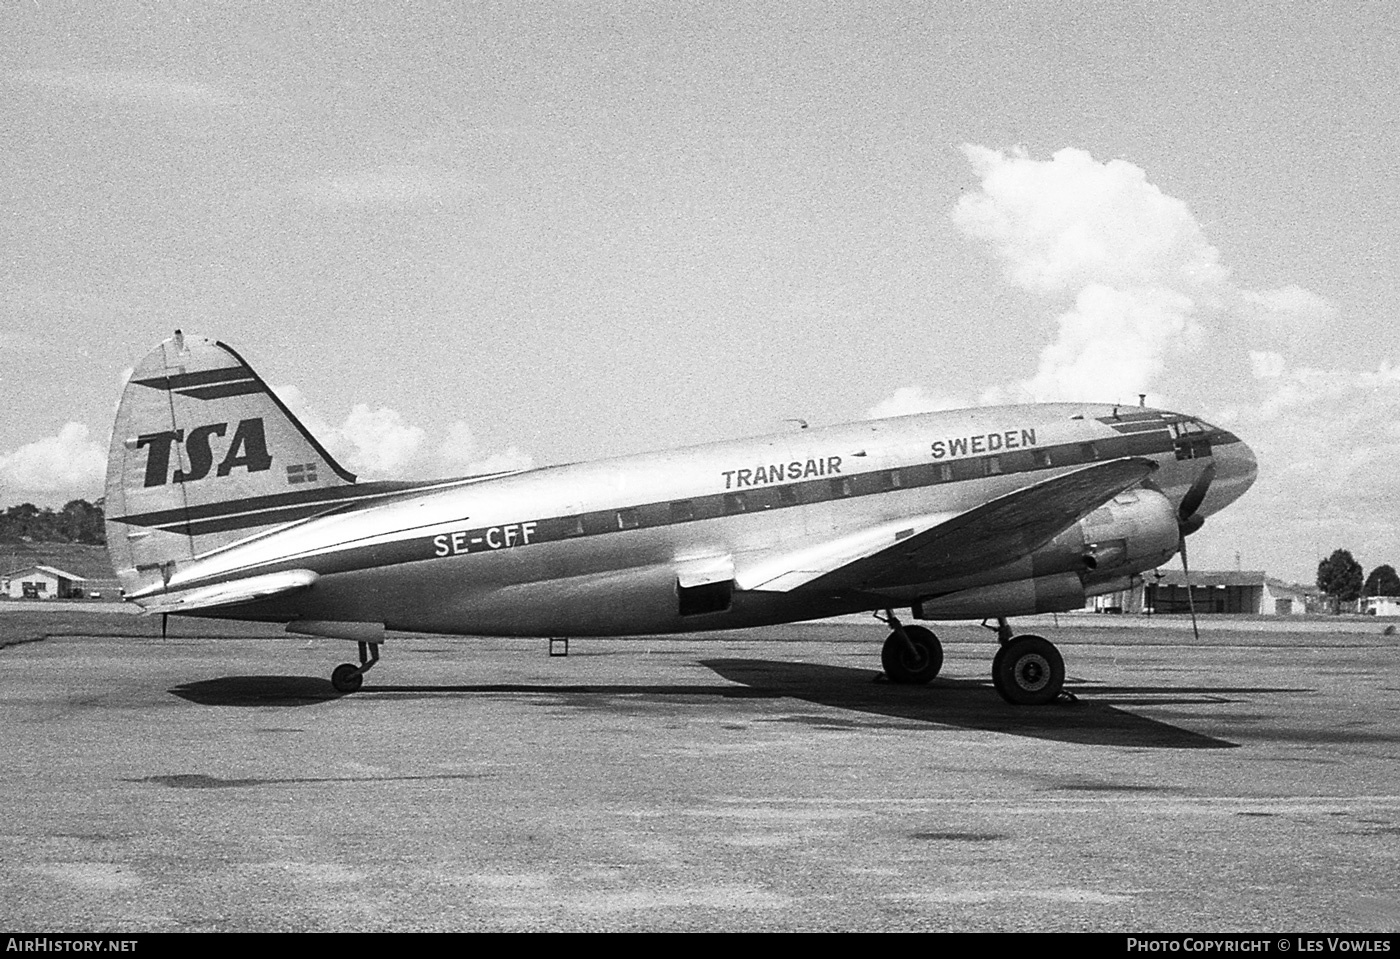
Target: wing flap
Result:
[934, 547]
[234, 593]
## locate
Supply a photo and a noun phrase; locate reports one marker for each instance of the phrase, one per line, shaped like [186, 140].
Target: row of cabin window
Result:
[734, 503]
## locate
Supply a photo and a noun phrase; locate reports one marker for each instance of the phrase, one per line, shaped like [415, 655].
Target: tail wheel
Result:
[913, 666]
[1029, 671]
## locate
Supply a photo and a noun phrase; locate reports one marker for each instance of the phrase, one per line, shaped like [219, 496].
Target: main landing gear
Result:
[348, 677]
[1027, 670]
[912, 654]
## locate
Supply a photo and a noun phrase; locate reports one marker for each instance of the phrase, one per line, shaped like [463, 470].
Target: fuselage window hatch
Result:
[628, 519]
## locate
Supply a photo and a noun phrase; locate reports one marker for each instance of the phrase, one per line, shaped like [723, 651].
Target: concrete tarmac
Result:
[762, 780]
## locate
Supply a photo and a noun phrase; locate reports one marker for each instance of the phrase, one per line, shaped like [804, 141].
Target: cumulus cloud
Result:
[1064, 223]
[1145, 285]
[1327, 442]
[380, 443]
[1135, 261]
[67, 466]
[907, 400]
[461, 455]
[1136, 299]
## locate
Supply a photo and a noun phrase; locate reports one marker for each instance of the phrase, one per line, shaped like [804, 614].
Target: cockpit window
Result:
[1191, 439]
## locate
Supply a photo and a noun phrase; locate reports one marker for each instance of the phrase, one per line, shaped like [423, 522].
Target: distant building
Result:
[1381, 605]
[43, 582]
[1247, 591]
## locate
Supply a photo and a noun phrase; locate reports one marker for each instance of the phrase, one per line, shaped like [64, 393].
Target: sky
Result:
[468, 236]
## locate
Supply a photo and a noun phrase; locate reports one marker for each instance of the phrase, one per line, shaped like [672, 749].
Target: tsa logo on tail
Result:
[247, 448]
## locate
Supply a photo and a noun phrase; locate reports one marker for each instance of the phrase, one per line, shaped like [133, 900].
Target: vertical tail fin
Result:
[203, 454]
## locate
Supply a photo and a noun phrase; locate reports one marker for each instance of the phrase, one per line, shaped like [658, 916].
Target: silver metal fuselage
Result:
[604, 548]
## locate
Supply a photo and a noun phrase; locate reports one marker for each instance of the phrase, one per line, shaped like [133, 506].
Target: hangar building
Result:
[1247, 591]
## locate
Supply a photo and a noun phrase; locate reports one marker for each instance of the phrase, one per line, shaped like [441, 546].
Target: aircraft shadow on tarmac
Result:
[1095, 719]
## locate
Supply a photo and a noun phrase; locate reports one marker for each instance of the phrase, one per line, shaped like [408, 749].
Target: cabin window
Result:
[945, 472]
[1089, 452]
[993, 465]
[1041, 458]
[682, 511]
[573, 525]
[735, 503]
[891, 479]
[787, 496]
[628, 519]
[841, 486]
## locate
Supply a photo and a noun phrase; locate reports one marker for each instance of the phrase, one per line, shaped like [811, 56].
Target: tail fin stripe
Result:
[183, 381]
[317, 499]
[340, 471]
[225, 389]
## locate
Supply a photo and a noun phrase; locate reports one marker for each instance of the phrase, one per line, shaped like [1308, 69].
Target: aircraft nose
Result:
[1235, 470]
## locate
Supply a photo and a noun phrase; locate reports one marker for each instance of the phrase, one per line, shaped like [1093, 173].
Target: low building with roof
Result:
[1381, 605]
[43, 582]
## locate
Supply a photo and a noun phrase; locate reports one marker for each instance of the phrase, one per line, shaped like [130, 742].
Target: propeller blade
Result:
[1190, 600]
[1195, 496]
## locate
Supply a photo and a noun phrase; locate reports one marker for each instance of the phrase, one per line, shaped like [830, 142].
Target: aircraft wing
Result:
[934, 547]
[230, 594]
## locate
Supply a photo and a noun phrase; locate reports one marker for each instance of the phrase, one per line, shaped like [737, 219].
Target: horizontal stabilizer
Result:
[937, 547]
[234, 593]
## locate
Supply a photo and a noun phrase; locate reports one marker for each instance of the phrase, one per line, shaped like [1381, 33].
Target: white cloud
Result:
[382, 444]
[67, 466]
[1155, 310]
[1148, 287]
[1067, 222]
[461, 455]
[907, 400]
[1327, 442]
[1112, 345]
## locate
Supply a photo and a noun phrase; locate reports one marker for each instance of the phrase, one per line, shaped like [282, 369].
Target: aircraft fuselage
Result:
[677, 541]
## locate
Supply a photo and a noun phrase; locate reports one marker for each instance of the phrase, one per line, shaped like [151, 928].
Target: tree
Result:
[1339, 576]
[78, 522]
[81, 522]
[1383, 581]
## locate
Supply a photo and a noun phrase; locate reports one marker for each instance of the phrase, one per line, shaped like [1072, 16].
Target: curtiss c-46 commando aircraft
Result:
[220, 503]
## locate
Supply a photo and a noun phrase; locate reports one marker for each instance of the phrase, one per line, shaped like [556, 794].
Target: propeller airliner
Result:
[220, 503]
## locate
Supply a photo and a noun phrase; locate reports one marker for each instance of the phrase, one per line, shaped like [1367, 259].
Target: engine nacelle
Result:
[1136, 530]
